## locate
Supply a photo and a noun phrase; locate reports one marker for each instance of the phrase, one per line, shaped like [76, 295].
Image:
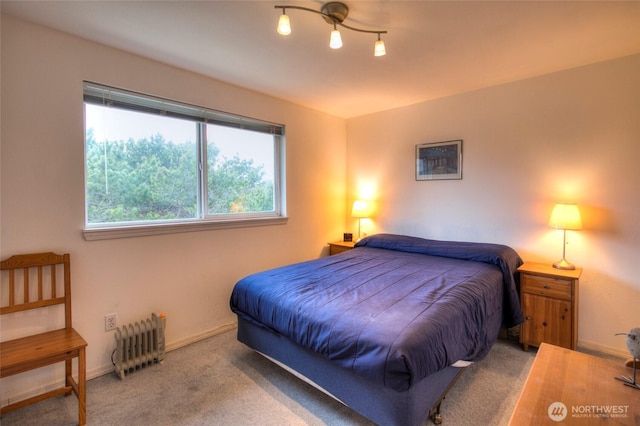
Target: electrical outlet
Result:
[110, 322]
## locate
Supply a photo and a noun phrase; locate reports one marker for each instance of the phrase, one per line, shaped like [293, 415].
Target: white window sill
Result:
[113, 232]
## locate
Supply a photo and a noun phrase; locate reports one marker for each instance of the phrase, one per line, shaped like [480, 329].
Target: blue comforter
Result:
[393, 310]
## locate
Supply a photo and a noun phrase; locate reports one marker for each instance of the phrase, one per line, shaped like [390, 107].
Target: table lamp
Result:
[361, 209]
[565, 216]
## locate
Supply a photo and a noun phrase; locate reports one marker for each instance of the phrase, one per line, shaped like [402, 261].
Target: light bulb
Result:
[284, 26]
[379, 49]
[336, 40]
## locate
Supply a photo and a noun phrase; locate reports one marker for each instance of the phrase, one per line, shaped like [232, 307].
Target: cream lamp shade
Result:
[565, 216]
[361, 209]
[284, 24]
[335, 41]
[379, 49]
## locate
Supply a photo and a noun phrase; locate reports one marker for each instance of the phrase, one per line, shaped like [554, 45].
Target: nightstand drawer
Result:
[546, 286]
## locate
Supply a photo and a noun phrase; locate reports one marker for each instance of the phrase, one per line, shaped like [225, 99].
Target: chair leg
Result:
[82, 387]
[67, 376]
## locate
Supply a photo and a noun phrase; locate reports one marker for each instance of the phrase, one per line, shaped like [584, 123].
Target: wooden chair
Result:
[34, 282]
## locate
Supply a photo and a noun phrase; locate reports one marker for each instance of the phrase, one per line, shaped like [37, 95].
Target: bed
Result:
[386, 327]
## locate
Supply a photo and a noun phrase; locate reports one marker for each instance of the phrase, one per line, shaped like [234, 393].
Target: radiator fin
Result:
[139, 344]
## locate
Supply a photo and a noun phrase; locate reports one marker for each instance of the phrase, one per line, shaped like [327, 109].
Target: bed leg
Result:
[435, 415]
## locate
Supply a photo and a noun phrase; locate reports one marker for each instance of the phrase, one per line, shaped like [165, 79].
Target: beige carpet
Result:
[219, 381]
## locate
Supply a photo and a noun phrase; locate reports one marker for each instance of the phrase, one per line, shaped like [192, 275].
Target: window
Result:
[156, 166]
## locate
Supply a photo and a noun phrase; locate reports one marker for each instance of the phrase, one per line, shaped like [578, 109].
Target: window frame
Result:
[99, 94]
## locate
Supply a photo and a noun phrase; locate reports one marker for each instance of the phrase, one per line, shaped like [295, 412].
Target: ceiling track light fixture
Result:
[334, 13]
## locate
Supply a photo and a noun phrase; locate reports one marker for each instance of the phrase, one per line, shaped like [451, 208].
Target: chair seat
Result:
[38, 350]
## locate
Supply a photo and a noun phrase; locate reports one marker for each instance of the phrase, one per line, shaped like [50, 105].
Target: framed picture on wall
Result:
[439, 160]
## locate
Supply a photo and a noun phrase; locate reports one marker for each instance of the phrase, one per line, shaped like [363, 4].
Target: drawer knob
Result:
[544, 324]
[527, 318]
[545, 286]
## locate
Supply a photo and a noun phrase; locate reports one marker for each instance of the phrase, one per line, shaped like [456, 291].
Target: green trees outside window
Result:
[143, 167]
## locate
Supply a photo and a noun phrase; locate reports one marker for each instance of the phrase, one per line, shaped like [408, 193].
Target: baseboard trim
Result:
[601, 350]
[202, 336]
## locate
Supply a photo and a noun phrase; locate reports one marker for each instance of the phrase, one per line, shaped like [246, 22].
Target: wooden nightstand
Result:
[340, 246]
[549, 302]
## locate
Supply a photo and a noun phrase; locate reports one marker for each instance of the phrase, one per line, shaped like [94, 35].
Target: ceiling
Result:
[434, 49]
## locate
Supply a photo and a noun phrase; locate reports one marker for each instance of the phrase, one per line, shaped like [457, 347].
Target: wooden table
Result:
[583, 383]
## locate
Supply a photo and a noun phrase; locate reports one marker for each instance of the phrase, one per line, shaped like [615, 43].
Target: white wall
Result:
[568, 136]
[188, 276]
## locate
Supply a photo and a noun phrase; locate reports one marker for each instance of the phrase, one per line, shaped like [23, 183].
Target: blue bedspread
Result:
[393, 310]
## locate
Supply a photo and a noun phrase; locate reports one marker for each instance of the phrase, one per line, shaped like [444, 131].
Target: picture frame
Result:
[439, 160]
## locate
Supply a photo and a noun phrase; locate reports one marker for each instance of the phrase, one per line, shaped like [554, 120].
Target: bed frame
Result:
[375, 402]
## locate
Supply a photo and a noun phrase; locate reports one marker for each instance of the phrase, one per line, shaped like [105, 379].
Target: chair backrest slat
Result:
[12, 291]
[39, 283]
[53, 281]
[35, 273]
[26, 285]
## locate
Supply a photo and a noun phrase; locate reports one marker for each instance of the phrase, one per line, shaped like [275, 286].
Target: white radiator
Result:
[139, 344]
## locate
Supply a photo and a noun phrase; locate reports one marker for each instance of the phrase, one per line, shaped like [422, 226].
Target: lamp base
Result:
[563, 264]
